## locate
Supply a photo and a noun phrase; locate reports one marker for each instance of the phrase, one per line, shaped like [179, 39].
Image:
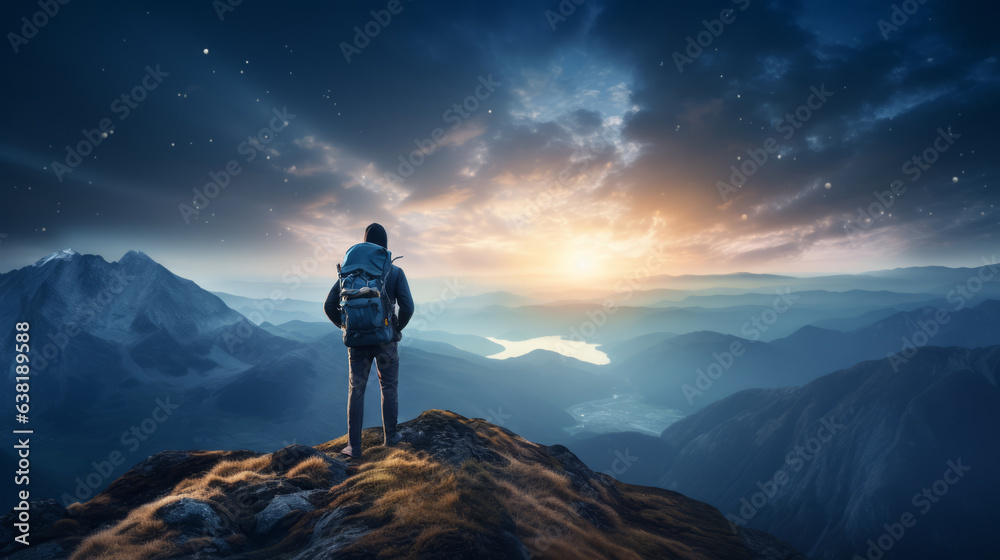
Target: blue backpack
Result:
[365, 309]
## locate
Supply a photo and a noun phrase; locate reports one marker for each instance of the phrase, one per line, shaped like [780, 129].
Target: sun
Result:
[583, 263]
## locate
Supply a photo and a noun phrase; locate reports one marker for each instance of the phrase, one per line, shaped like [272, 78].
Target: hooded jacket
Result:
[397, 289]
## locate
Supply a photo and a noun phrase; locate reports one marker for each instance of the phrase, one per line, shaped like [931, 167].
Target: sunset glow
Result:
[579, 153]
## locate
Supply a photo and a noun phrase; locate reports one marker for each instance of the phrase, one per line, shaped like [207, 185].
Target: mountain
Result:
[130, 358]
[100, 328]
[565, 381]
[814, 299]
[113, 346]
[301, 331]
[732, 280]
[728, 304]
[675, 371]
[970, 327]
[687, 371]
[273, 311]
[592, 323]
[470, 343]
[926, 279]
[939, 279]
[856, 457]
[635, 346]
[455, 488]
[500, 298]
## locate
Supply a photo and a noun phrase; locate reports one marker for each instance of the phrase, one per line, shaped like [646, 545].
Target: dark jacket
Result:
[398, 290]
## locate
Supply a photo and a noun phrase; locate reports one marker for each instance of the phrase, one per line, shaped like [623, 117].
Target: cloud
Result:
[593, 142]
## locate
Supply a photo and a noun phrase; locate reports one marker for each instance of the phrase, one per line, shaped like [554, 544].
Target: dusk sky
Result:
[553, 143]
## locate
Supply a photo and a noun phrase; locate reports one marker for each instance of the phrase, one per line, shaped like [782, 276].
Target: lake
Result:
[583, 351]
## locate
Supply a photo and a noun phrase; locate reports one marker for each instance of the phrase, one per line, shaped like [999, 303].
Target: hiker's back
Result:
[365, 304]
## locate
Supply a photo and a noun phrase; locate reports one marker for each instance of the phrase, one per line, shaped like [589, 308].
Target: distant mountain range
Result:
[277, 312]
[719, 303]
[688, 371]
[762, 315]
[130, 359]
[831, 464]
[827, 466]
[260, 310]
[917, 279]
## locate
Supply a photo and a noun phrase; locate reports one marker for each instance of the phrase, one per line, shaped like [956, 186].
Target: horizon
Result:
[299, 287]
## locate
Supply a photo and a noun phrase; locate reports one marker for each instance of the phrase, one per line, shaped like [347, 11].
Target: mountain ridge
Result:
[880, 434]
[455, 488]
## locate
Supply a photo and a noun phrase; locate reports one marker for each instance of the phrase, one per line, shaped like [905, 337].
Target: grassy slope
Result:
[455, 488]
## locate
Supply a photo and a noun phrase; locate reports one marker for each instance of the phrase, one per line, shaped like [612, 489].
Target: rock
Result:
[278, 508]
[286, 458]
[191, 517]
[454, 488]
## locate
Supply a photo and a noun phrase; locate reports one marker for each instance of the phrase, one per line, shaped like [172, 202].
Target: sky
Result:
[511, 145]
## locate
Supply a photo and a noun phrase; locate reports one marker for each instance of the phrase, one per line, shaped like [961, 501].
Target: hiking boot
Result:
[349, 451]
[393, 439]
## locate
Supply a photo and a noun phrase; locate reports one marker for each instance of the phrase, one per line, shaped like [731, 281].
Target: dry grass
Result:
[314, 469]
[140, 536]
[409, 504]
[409, 493]
[543, 505]
[225, 473]
[414, 501]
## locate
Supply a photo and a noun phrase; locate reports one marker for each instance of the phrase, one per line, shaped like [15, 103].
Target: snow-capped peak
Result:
[64, 254]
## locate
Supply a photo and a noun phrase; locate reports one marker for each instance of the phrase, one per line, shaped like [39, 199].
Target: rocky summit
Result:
[454, 488]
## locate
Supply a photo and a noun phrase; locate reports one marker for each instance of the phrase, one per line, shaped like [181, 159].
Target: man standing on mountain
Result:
[379, 275]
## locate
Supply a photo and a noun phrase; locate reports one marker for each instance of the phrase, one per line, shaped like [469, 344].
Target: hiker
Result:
[362, 304]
